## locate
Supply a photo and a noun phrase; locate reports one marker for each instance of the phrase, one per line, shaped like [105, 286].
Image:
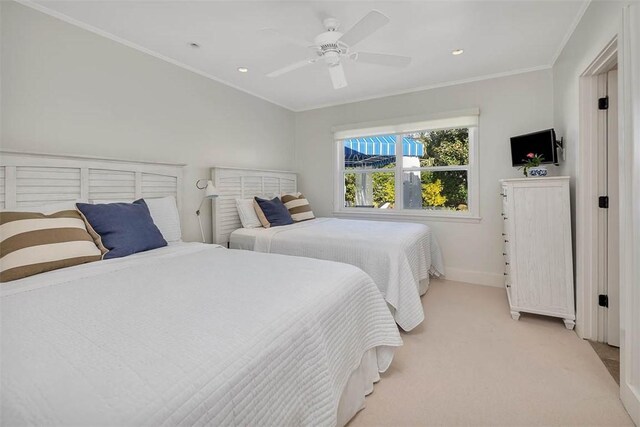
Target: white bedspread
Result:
[188, 335]
[397, 255]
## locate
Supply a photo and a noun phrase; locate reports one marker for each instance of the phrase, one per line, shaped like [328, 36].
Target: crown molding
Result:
[570, 30]
[433, 86]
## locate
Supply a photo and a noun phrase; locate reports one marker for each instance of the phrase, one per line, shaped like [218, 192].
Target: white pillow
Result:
[247, 213]
[164, 212]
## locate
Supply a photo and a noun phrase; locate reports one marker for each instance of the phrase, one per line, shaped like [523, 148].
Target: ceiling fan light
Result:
[457, 52]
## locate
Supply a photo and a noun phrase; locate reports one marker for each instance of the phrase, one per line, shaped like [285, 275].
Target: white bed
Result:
[398, 256]
[189, 335]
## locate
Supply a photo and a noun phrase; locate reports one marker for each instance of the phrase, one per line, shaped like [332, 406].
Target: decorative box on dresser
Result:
[537, 247]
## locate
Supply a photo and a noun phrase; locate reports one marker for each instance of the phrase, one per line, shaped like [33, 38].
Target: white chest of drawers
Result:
[537, 247]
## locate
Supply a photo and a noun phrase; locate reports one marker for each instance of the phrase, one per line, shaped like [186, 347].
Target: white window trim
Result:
[464, 118]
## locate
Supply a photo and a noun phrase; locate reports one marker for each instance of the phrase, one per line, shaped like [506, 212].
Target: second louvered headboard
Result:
[235, 183]
[28, 179]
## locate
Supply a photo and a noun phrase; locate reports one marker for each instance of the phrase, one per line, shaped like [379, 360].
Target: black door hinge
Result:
[603, 300]
[603, 103]
[603, 202]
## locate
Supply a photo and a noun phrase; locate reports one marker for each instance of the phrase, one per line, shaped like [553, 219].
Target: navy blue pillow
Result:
[125, 228]
[275, 211]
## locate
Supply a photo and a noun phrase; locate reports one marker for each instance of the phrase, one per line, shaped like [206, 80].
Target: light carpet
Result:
[470, 364]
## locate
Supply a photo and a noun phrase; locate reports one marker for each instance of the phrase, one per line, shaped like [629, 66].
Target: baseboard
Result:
[475, 277]
[631, 401]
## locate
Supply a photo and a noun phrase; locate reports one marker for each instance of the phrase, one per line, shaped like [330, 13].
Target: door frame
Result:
[629, 165]
[588, 217]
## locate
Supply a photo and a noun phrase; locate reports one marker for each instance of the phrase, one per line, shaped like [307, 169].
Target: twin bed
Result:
[188, 334]
[399, 257]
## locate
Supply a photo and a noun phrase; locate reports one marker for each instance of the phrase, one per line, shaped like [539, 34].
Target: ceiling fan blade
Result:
[382, 59]
[291, 67]
[338, 78]
[368, 25]
[288, 38]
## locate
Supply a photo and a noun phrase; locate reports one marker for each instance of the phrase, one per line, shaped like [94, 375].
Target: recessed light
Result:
[194, 45]
[457, 52]
[243, 69]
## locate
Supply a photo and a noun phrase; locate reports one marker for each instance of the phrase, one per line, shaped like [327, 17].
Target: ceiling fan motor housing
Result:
[329, 47]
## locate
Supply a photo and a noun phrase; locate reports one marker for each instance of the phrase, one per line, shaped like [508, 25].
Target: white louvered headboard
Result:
[235, 183]
[28, 179]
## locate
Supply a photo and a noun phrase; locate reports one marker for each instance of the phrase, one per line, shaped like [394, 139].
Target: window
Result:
[424, 168]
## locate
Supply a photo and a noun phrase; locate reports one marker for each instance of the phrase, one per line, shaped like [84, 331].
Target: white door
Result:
[613, 214]
[608, 218]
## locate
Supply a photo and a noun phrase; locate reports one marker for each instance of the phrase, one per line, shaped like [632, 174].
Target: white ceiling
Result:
[498, 37]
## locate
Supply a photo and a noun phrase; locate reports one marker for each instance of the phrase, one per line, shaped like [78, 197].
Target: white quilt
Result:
[192, 335]
[397, 255]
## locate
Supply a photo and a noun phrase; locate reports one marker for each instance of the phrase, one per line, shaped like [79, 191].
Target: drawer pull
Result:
[508, 286]
[506, 263]
[504, 274]
[504, 254]
[504, 234]
[505, 218]
[506, 241]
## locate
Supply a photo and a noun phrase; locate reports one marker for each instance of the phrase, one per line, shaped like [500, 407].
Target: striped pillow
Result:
[298, 207]
[32, 243]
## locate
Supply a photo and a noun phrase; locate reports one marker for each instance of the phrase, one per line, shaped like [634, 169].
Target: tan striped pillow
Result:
[32, 243]
[298, 207]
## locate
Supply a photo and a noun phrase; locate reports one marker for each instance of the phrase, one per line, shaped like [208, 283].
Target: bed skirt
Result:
[360, 384]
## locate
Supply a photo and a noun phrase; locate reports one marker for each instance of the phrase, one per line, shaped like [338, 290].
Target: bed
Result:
[398, 256]
[189, 334]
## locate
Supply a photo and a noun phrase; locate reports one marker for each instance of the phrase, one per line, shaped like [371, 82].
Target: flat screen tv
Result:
[542, 143]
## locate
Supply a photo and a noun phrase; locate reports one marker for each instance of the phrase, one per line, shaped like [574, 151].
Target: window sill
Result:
[404, 216]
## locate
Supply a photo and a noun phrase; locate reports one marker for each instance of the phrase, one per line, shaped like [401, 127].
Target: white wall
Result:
[66, 90]
[508, 106]
[598, 26]
[69, 91]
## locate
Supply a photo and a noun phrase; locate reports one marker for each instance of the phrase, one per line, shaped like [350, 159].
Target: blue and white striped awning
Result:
[377, 151]
[384, 145]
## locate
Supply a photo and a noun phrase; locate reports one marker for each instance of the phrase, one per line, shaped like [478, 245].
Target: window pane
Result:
[441, 190]
[371, 152]
[369, 190]
[447, 147]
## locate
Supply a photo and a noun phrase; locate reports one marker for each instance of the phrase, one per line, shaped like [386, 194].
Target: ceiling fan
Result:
[332, 47]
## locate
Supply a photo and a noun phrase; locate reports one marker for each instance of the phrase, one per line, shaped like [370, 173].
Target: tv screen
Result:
[542, 143]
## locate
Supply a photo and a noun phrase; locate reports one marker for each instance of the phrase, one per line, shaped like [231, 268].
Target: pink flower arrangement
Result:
[532, 161]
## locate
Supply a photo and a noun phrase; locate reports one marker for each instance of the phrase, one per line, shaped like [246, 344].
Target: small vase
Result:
[537, 172]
